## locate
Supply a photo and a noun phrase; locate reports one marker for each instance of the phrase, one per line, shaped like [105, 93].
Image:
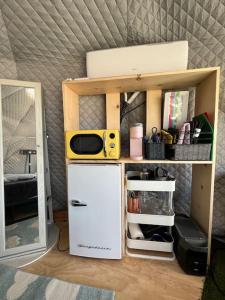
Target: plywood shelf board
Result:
[166, 80]
[173, 162]
[130, 161]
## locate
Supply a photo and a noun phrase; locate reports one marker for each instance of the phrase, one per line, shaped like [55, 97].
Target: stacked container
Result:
[160, 214]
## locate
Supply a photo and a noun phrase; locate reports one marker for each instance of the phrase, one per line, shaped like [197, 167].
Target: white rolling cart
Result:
[146, 248]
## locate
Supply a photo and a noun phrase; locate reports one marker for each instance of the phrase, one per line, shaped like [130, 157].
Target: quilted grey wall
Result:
[49, 40]
[7, 63]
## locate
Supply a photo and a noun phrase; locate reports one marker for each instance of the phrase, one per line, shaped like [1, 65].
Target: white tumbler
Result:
[136, 141]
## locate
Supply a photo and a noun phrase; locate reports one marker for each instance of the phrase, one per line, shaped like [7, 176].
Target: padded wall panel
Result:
[64, 30]
[92, 112]
[7, 63]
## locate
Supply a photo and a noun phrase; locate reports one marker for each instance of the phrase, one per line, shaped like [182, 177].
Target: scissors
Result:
[155, 138]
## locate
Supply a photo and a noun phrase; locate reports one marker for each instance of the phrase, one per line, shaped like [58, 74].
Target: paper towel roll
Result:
[135, 231]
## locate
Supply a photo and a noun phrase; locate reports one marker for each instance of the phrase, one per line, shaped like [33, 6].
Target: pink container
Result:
[136, 131]
[136, 136]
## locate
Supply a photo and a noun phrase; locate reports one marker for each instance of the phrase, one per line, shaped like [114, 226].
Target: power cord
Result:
[124, 112]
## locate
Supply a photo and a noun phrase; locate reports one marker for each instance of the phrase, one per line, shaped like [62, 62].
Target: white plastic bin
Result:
[150, 245]
[149, 185]
[163, 220]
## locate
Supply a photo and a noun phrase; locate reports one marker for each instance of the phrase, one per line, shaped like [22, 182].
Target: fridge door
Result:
[94, 202]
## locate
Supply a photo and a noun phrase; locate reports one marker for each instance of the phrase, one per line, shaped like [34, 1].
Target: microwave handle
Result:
[104, 144]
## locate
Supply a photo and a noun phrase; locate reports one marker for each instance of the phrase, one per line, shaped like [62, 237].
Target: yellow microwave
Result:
[93, 144]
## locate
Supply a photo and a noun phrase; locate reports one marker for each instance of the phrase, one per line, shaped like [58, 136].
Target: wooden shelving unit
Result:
[205, 80]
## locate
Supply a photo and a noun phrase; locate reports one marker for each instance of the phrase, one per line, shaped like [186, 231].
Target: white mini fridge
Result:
[94, 203]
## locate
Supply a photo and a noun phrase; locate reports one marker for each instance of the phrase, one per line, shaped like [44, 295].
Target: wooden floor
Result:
[131, 278]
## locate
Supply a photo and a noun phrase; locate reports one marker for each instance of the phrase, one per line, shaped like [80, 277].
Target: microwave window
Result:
[84, 144]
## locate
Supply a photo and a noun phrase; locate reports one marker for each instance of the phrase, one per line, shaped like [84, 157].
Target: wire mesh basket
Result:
[188, 152]
[155, 151]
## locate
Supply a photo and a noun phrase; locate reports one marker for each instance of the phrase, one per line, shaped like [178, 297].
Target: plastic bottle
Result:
[136, 137]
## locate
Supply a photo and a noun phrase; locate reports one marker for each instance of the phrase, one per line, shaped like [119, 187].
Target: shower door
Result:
[22, 186]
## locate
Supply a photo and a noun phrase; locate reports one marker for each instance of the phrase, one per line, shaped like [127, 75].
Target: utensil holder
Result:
[155, 151]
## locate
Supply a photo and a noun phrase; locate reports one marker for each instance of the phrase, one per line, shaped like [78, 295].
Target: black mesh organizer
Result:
[155, 151]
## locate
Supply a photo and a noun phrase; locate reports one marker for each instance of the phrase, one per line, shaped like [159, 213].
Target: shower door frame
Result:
[42, 214]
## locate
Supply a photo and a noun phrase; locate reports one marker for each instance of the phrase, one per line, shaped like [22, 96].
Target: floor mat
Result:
[214, 286]
[19, 285]
[22, 233]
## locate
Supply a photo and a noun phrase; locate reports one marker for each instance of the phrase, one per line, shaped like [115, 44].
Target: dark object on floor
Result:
[190, 246]
[214, 286]
[218, 242]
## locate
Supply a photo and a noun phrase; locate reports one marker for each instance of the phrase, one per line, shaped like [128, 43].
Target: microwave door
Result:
[87, 144]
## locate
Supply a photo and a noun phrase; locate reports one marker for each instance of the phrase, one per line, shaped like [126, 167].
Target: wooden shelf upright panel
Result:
[70, 109]
[201, 205]
[113, 110]
[153, 110]
[207, 98]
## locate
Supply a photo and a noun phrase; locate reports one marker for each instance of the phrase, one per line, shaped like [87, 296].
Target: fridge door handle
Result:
[77, 203]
